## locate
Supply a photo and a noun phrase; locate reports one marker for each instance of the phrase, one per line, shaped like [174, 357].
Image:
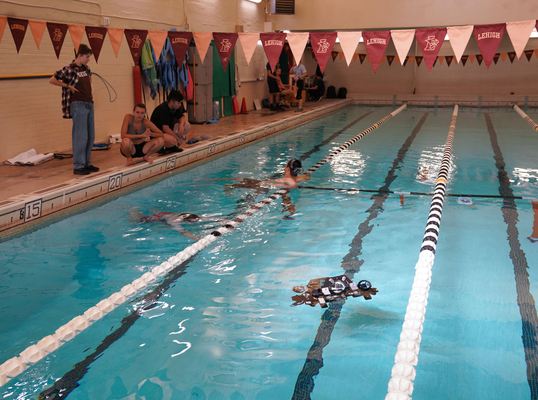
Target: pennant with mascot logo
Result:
[136, 39]
[273, 43]
[376, 43]
[225, 43]
[18, 30]
[57, 35]
[430, 41]
[249, 41]
[96, 37]
[180, 44]
[322, 46]
[489, 38]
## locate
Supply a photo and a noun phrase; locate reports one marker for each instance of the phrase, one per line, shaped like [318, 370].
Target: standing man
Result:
[77, 104]
[299, 72]
[273, 88]
[169, 118]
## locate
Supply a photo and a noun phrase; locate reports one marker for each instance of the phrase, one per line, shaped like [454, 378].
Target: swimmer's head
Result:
[295, 166]
[190, 218]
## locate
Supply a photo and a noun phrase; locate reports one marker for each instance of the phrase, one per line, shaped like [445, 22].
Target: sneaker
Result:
[81, 171]
[299, 109]
[92, 168]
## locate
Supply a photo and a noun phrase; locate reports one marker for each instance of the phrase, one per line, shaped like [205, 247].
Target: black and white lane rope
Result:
[403, 373]
[16, 365]
[526, 117]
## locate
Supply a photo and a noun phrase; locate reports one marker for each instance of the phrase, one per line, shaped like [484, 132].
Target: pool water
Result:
[224, 326]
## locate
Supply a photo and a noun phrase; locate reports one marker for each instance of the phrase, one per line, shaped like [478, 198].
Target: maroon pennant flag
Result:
[479, 58]
[488, 38]
[225, 43]
[334, 54]
[376, 43]
[512, 56]
[57, 35]
[322, 45]
[273, 43]
[419, 60]
[430, 41]
[496, 57]
[390, 59]
[180, 44]
[18, 30]
[362, 57]
[405, 61]
[464, 60]
[449, 60]
[136, 39]
[96, 37]
[528, 54]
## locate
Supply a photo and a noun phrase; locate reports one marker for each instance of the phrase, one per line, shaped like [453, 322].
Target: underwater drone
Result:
[325, 290]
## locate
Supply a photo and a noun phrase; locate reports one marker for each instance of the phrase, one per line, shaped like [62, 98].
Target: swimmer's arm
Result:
[303, 177]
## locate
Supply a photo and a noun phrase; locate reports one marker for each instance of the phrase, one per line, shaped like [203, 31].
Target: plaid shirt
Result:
[68, 74]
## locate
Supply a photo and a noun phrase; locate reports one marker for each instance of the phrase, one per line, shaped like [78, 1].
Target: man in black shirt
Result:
[169, 117]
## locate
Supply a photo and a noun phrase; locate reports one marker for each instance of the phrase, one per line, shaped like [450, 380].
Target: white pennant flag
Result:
[297, 42]
[248, 43]
[403, 39]
[459, 37]
[349, 42]
[520, 33]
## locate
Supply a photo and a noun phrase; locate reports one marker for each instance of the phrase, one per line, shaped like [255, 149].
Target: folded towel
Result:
[29, 157]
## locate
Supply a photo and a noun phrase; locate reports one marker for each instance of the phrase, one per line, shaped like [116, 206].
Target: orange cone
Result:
[244, 107]
[235, 105]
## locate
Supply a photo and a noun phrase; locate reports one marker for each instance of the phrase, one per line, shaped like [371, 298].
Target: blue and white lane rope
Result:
[526, 117]
[16, 365]
[403, 372]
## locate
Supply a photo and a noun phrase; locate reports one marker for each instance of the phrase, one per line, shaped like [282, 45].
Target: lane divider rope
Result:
[401, 385]
[526, 117]
[31, 355]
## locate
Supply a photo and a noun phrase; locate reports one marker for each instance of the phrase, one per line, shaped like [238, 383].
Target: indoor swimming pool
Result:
[226, 323]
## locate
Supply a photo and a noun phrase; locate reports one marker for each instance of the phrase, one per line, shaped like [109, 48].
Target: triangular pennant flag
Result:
[418, 59]
[459, 37]
[248, 43]
[297, 43]
[76, 32]
[536, 52]
[430, 42]
[349, 42]
[528, 54]
[488, 38]
[334, 54]
[519, 33]
[355, 56]
[464, 60]
[479, 58]
[157, 39]
[135, 40]
[406, 60]
[496, 58]
[383, 59]
[225, 43]
[362, 57]
[96, 37]
[202, 40]
[18, 30]
[273, 43]
[449, 60]
[441, 59]
[503, 56]
[411, 59]
[390, 59]
[376, 43]
[403, 39]
[3, 23]
[340, 55]
[180, 44]
[397, 59]
[115, 35]
[37, 28]
[322, 46]
[57, 35]
[511, 56]
[472, 57]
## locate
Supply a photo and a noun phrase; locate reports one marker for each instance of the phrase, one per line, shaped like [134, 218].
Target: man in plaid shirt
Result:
[77, 103]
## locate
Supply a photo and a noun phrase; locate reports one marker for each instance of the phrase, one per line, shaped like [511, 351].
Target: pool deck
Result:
[32, 195]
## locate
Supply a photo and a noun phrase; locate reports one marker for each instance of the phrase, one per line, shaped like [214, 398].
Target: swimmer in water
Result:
[176, 221]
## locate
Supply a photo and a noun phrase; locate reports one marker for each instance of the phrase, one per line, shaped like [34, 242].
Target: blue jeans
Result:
[83, 133]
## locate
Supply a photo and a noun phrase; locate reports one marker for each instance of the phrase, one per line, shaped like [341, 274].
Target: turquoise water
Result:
[224, 326]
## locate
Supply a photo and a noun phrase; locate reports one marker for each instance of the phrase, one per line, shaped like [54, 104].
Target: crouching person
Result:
[140, 137]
